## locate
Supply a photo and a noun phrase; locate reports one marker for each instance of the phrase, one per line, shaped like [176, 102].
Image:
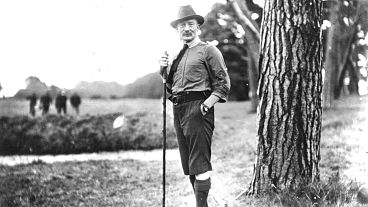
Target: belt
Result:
[187, 96]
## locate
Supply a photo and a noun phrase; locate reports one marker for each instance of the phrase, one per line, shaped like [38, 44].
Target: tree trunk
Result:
[243, 5]
[246, 21]
[253, 82]
[353, 86]
[331, 62]
[343, 65]
[290, 88]
[345, 56]
[341, 81]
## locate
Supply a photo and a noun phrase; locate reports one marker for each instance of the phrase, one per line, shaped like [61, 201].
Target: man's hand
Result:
[209, 102]
[204, 109]
[164, 63]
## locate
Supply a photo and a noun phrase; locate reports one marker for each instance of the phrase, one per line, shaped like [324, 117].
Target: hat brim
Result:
[199, 18]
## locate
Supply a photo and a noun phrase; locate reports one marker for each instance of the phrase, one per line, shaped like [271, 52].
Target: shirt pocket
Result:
[194, 72]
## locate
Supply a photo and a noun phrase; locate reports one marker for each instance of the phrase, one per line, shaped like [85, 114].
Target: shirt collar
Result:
[194, 42]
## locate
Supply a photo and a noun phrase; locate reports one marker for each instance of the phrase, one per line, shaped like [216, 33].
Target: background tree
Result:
[343, 46]
[224, 25]
[331, 63]
[234, 26]
[290, 89]
[251, 36]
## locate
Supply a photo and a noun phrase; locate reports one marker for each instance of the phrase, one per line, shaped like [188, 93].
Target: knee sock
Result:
[192, 179]
[201, 189]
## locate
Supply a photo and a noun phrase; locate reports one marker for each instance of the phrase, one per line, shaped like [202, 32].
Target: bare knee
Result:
[203, 176]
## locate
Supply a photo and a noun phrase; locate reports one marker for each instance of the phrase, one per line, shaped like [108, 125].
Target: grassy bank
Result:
[53, 134]
[137, 183]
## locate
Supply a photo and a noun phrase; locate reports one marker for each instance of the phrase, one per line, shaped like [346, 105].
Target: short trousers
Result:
[194, 134]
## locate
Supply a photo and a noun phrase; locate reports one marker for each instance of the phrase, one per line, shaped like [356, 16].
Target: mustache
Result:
[186, 33]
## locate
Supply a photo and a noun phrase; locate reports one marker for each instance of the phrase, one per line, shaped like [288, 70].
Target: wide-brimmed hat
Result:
[186, 13]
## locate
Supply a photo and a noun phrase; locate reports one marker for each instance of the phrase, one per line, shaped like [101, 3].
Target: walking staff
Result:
[164, 77]
[197, 80]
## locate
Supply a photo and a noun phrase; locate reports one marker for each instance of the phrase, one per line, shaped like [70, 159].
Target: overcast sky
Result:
[63, 42]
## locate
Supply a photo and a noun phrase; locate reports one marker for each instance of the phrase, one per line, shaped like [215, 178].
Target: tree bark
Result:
[290, 89]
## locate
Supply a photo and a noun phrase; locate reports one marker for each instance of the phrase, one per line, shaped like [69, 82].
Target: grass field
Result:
[10, 107]
[132, 182]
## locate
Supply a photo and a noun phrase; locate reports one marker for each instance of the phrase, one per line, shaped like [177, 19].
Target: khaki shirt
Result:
[202, 68]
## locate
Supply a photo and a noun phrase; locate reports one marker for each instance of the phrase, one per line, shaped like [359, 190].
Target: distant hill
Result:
[34, 85]
[149, 86]
[99, 89]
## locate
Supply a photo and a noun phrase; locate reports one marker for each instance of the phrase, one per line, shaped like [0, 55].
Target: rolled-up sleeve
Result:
[219, 78]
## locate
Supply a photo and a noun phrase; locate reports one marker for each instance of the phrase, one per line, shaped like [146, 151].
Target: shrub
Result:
[114, 97]
[55, 134]
[96, 96]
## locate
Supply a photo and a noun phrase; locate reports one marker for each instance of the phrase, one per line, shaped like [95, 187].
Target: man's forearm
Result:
[211, 100]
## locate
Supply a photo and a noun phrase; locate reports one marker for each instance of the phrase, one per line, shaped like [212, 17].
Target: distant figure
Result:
[32, 103]
[60, 102]
[75, 101]
[45, 101]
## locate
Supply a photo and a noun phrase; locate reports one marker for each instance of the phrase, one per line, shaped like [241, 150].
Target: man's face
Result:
[188, 30]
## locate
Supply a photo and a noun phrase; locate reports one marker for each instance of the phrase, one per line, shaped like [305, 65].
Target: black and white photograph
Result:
[213, 103]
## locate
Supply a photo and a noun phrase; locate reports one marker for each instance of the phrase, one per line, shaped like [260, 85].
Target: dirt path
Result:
[153, 155]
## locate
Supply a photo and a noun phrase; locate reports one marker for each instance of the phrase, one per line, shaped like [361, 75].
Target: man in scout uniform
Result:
[197, 80]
